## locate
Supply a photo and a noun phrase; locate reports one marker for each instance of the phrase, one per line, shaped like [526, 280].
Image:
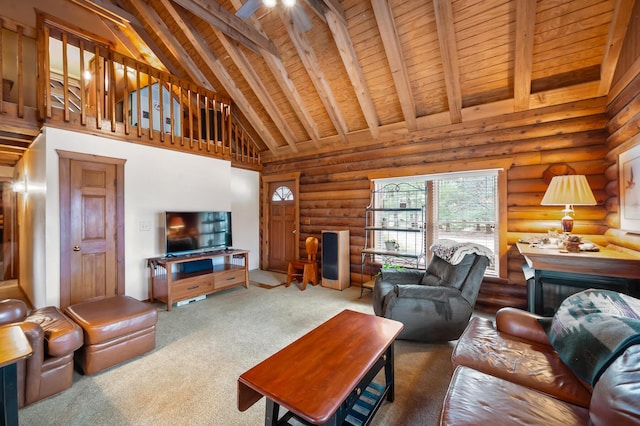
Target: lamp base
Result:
[567, 224]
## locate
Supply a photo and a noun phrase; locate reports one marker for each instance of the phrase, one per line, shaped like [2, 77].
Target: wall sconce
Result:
[568, 191]
[19, 186]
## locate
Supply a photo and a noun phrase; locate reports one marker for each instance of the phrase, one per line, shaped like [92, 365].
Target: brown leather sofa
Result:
[508, 373]
[53, 338]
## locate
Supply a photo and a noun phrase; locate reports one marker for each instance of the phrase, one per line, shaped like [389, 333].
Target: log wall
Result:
[334, 189]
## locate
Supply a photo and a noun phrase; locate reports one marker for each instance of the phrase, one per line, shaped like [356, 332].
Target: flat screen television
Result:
[193, 232]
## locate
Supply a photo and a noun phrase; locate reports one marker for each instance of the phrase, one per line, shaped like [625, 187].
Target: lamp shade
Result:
[176, 222]
[568, 190]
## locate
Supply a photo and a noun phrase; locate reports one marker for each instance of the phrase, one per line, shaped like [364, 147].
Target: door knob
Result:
[294, 231]
[76, 248]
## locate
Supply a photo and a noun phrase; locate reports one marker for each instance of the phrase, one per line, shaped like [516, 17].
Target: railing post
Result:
[111, 97]
[65, 79]
[98, 86]
[83, 96]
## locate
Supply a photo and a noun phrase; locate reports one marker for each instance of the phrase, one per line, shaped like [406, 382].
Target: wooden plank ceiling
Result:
[371, 71]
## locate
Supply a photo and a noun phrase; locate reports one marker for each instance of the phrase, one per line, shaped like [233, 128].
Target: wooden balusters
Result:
[101, 86]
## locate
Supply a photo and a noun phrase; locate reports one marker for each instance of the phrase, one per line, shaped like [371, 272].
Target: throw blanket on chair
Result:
[454, 251]
[592, 328]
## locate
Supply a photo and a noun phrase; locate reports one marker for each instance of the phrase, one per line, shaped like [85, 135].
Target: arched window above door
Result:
[282, 193]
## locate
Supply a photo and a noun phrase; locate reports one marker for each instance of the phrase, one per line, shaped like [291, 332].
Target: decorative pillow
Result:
[592, 328]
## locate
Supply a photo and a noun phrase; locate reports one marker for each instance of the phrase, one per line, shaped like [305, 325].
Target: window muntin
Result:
[282, 193]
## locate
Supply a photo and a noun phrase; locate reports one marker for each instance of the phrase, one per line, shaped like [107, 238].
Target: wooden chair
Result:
[305, 269]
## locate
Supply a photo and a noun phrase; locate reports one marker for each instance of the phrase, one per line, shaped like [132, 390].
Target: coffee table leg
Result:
[9, 395]
[389, 373]
[271, 413]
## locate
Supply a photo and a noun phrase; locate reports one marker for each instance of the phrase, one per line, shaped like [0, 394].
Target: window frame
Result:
[501, 165]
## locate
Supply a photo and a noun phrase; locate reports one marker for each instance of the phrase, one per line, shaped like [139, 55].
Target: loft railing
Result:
[86, 86]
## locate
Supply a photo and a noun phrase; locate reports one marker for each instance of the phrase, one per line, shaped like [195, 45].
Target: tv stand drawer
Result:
[229, 278]
[192, 287]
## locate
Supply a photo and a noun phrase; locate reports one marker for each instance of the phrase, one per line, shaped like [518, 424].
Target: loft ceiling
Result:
[374, 70]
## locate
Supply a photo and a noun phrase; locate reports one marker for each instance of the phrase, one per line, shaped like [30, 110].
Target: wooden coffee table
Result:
[326, 376]
[14, 346]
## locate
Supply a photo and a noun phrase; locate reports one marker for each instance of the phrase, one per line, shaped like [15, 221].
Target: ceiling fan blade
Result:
[300, 18]
[248, 8]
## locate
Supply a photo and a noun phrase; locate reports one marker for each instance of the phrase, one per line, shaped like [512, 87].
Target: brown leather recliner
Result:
[53, 338]
[434, 305]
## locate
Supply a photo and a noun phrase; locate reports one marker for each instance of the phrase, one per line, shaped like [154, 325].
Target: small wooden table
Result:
[13, 347]
[322, 375]
[606, 268]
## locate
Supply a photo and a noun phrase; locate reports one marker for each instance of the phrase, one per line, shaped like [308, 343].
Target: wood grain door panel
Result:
[282, 228]
[93, 236]
[91, 230]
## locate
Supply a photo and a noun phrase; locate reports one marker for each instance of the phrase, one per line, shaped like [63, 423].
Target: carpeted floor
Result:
[202, 348]
[266, 279]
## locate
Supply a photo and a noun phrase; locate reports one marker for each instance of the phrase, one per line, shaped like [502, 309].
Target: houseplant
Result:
[392, 245]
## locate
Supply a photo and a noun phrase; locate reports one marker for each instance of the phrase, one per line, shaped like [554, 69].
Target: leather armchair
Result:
[53, 338]
[434, 305]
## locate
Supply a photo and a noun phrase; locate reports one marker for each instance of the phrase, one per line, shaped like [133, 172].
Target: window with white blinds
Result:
[461, 207]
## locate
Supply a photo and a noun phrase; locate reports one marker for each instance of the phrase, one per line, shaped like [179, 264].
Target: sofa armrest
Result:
[427, 292]
[62, 335]
[401, 276]
[33, 364]
[12, 310]
[522, 324]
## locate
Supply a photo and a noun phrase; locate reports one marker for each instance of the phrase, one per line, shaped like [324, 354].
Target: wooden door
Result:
[91, 238]
[9, 226]
[282, 224]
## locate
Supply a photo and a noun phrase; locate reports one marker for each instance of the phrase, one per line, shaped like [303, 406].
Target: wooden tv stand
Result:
[168, 284]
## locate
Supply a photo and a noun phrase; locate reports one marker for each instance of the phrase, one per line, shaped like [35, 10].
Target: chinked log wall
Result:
[334, 189]
[624, 133]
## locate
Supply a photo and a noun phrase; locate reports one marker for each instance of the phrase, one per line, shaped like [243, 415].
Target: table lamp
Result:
[568, 191]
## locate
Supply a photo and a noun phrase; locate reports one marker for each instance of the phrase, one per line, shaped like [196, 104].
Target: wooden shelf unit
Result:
[395, 214]
[169, 284]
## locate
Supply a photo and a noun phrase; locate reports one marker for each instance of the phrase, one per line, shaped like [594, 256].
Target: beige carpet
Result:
[202, 348]
[266, 279]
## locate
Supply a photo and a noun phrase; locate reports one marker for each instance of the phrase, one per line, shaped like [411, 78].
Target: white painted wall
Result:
[156, 180]
[245, 208]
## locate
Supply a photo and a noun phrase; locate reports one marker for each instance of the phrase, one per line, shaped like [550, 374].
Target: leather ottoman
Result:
[116, 329]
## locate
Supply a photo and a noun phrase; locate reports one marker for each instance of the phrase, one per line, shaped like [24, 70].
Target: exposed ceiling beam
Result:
[318, 8]
[617, 32]
[352, 66]
[393, 50]
[132, 30]
[287, 86]
[107, 10]
[139, 30]
[220, 72]
[449, 54]
[334, 6]
[243, 64]
[311, 64]
[231, 25]
[172, 44]
[252, 78]
[194, 37]
[200, 44]
[124, 41]
[8, 148]
[525, 31]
